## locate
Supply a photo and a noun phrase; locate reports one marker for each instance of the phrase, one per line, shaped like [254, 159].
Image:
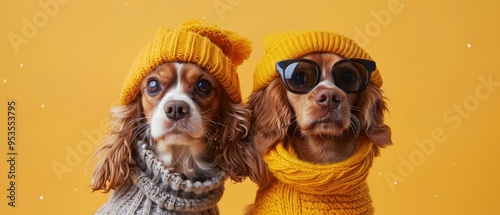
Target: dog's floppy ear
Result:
[113, 167]
[372, 106]
[271, 115]
[271, 118]
[237, 155]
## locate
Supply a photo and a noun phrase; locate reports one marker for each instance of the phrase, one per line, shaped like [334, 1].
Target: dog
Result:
[186, 118]
[181, 130]
[324, 109]
[320, 123]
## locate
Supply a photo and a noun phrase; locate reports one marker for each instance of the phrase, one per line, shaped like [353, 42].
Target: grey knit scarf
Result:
[153, 189]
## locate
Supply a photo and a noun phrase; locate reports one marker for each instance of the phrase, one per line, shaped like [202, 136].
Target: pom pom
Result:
[241, 48]
[238, 49]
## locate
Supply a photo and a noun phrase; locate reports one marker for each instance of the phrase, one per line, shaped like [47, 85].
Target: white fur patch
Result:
[191, 126]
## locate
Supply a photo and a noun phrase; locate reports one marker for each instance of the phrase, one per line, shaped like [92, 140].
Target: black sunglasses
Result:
[300, 76]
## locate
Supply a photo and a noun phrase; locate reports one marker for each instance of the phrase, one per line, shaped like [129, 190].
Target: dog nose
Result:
[176, 110]
[328, 98]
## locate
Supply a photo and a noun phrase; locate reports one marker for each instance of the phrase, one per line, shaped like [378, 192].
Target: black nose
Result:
[328, 98]
[176, 110]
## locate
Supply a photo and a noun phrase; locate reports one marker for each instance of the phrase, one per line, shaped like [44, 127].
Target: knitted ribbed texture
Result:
[295, 44]
[153, 189]
[304, 188]
[217, 51]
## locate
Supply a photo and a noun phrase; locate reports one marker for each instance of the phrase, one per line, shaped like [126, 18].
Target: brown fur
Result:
[224, 146]
[318, 134]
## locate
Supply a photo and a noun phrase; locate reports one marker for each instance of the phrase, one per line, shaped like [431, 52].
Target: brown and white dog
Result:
[185, 116]
[322, 106]
[184, 113]
[181, 129]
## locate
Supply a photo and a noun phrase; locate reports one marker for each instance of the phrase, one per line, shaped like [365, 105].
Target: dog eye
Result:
[153, 87]
[204, 87]
[299, 78]
[348, 77]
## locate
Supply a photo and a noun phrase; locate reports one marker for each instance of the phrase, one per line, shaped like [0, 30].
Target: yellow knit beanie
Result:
[295, 44]
[217, 51]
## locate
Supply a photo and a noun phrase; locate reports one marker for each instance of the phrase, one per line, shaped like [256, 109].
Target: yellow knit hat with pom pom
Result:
[217, 51]
[295, 44]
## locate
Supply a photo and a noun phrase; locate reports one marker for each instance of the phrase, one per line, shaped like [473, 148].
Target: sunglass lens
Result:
[350, 76]
[300, 76]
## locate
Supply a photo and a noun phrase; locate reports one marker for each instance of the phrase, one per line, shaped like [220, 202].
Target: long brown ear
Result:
[113, 167]
[371, 105]
[271, 115]
[238, 156]
[271, 118]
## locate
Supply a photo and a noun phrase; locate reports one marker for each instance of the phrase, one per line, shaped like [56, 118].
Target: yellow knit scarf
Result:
[305, 188]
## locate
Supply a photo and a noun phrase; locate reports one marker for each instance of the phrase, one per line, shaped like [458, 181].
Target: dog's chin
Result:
[325, 127]
[318, 121]
[178, 136]
[164, 144]
[168, 131]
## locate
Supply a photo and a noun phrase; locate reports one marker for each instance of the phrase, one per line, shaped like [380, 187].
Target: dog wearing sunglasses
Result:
[318, 125]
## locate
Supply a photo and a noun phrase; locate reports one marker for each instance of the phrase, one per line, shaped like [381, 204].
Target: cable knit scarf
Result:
[305, 188]
[153, 189]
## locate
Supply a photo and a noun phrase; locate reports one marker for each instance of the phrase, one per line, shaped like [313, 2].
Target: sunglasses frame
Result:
[369, 65]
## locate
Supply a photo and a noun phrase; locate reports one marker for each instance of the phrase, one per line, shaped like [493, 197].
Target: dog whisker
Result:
[296, 129]
[213, 123]
[355, 125]
[130, 126]
[141, 130]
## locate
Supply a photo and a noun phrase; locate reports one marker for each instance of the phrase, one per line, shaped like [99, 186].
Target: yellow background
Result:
[436, 59]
